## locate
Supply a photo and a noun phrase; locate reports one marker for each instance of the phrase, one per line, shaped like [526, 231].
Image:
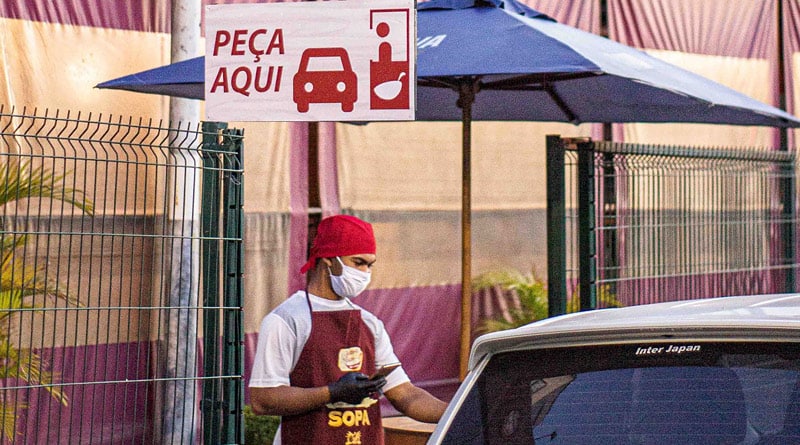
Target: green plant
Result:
[605, 298]
[531, 291]
[259, 430]
[21, 282]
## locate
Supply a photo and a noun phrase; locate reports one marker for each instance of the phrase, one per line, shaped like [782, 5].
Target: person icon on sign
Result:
[388, 78]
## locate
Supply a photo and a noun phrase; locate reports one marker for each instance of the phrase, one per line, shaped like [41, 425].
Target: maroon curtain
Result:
[696, 26]
[582, 14]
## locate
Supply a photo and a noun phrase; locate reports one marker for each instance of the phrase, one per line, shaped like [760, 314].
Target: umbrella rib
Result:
[533, 82]
[541, 82]
[451, 82]
[548, 87]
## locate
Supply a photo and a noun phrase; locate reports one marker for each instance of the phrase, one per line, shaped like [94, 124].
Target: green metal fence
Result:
[120, 293]
[644, 223]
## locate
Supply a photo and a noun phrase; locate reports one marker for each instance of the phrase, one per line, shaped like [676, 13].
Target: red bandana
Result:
[341, 235]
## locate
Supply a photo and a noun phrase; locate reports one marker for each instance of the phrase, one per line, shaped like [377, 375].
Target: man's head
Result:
[338, 236]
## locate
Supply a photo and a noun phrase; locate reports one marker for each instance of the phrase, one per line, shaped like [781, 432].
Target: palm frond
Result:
[31, 370]
[502, 277]
[30, 280]
[8, 418]
[605, 298]
[11, 303]
[26, 365]
[21, 280]
[529, 290]
[532, 293]
[20, 181]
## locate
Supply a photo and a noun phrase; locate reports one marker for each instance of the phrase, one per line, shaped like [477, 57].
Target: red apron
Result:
[340, 342]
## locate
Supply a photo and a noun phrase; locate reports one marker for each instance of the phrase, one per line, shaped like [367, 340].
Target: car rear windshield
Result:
[670, 393]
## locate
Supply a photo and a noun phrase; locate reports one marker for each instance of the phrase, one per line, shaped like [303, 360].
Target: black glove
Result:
[353, 387]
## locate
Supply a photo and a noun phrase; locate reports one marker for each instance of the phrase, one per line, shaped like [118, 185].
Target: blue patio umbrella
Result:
[524, 66]
[180, 79]
[501, 60]
[512, 63]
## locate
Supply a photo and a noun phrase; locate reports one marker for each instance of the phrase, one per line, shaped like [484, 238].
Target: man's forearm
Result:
[416, 403]
[287, 400]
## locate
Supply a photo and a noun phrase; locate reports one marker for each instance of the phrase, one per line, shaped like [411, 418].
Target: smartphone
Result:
[385, 370]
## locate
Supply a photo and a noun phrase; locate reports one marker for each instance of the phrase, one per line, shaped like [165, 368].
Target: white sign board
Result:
[311, 61]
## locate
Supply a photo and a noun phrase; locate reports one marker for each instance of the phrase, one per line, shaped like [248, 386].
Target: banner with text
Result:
[311, 61]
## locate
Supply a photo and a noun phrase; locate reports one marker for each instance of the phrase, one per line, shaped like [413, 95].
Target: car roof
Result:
[764, 317]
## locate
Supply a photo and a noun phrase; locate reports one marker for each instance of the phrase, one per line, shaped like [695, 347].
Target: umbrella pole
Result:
[466, 96]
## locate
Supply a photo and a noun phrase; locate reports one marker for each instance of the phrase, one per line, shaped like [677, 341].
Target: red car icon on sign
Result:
[325, 76]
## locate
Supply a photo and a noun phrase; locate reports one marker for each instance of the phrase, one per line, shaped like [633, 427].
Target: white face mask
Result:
[351, 282]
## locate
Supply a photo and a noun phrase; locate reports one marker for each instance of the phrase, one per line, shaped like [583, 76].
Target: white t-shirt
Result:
[284, 333]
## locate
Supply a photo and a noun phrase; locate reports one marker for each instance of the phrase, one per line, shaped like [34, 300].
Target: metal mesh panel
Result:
[674, 223]
[101, 292]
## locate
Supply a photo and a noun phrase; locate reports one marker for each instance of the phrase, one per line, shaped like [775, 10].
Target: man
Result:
[317, 350]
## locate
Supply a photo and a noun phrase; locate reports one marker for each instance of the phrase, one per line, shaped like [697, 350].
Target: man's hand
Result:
[353, 387]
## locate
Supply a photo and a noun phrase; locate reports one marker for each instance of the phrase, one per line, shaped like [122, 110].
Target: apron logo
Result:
[353, 438]
[351, 359]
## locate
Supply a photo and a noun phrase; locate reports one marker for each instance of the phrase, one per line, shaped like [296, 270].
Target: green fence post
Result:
[210, 211]
[789, 224]
[788, 183]
[233, 332]
[587, 250]
[556, 228]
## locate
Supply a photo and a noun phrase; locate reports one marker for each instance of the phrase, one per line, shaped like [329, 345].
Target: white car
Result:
[715, 371]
